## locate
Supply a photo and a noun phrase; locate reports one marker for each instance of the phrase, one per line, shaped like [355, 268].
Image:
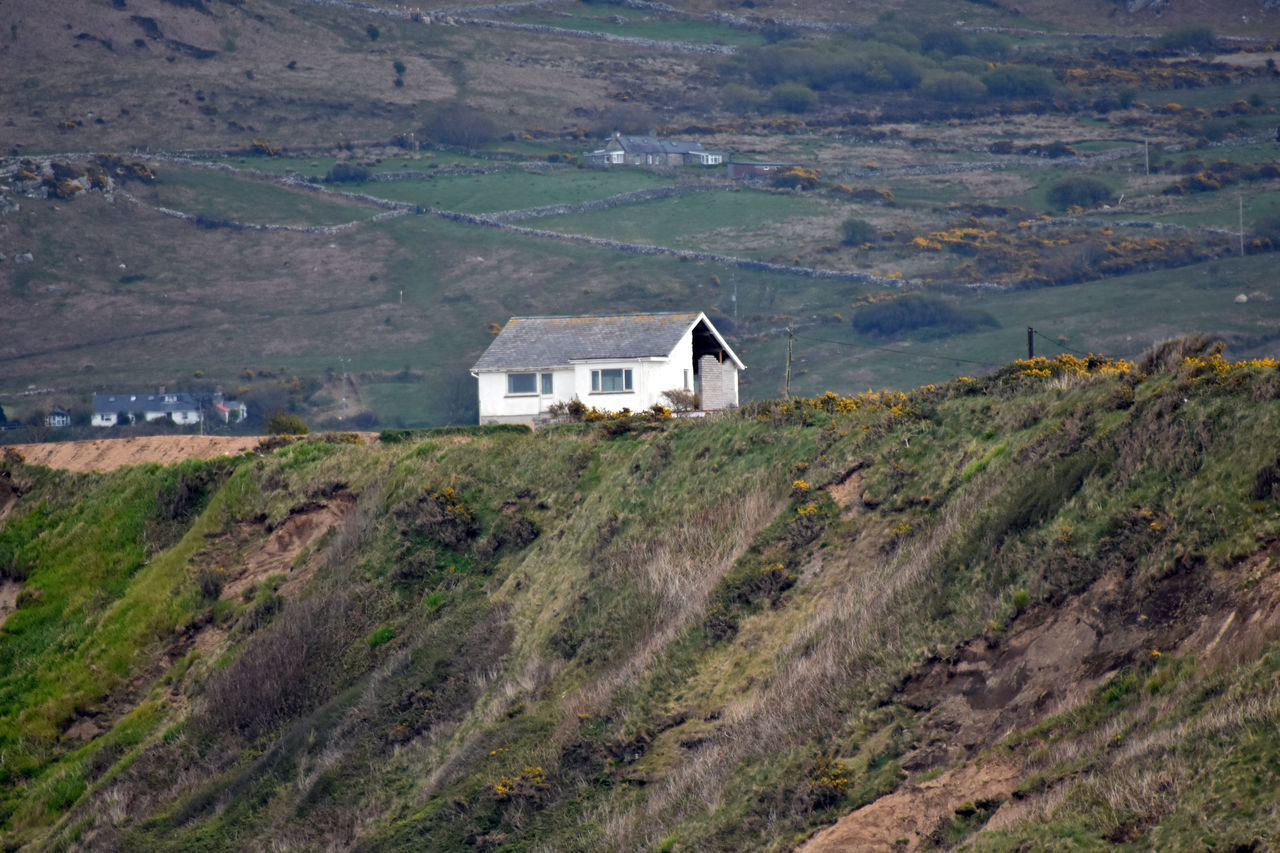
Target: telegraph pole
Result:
[1031, 343]
[786, 387]
[1240, 201]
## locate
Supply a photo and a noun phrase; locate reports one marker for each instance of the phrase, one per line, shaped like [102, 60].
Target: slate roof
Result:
[653, 145]
[529, 343]
[109, 404]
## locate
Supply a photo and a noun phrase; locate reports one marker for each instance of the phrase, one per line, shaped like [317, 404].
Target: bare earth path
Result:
[106, 454]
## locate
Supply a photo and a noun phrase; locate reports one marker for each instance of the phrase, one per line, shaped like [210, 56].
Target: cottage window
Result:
[613, 379]
[547, 385]
[522, 383]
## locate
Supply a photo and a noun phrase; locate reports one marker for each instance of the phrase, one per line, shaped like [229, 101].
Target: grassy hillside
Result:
[1053, 588]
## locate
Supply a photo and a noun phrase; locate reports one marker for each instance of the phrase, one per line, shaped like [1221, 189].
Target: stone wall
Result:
[719, 383]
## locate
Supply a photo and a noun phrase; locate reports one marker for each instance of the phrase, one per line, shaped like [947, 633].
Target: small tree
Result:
[458, 124]
[793, 97]
[1019, 81]
[1192, 37]
[681, 400]
[1078, 191]
[955, 86]
[286, 423]
[858, 232]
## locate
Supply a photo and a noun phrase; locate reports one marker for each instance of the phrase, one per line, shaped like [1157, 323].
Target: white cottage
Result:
[610, 363]
[113, 409]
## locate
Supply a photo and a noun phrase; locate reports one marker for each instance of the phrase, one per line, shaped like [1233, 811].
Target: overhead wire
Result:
[913, 355]
[1058, 344]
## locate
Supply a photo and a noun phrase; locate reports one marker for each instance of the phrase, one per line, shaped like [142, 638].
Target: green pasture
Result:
[751, 218]
[1222, 208]
[514, 188]
[1122, 317]
[220, 196]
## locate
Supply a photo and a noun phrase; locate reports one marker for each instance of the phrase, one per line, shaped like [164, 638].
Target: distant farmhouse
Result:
[113, 409]
[58, 418]
[231, 411]
[608, 363]
[650, 151]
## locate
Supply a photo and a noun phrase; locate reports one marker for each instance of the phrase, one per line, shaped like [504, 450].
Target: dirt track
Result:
[106, 454]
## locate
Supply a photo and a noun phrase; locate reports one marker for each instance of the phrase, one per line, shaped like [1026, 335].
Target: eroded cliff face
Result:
[1049, 663]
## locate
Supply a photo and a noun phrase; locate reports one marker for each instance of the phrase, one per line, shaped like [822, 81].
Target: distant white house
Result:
[108, 409]
[58, 418]
[651, 151]
[607, 362]
[231, 411]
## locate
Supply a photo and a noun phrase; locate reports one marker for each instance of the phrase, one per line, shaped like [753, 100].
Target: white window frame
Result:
[511, 386]
[624, 374]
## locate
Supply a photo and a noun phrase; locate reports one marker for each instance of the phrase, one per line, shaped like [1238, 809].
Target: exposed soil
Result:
[107, 454]
[848, 493]
[1053, 659]
[8, 598]
[913, 812]
[286, 542]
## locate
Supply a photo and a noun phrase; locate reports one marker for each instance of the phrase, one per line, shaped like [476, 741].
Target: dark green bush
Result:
[857, 231]
[342, 173]
[1191, 37]
[1019, 81]
[793, 98]
[286, 423]
[913, 311]
[956, 87]
[458, 124]
[1079, 191]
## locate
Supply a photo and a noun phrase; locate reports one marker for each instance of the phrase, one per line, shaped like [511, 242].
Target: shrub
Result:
[955, 86]
[1078, 191]
[946, 41]
[857, 232]
[373, 32]
[913, 311]
[793, 98]
[1020, 81]
[286, 423]
[343, 173]
[1192, 37]
[797, 177]
[739, 99]
[458, 124]
[681, 400]
[1268, 228]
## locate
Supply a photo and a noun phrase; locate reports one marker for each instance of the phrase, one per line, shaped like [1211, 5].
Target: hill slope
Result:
[1006, 612]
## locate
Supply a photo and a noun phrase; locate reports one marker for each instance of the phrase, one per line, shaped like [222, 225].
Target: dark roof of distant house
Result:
[529, 343]
[653, 145]
[167, 403]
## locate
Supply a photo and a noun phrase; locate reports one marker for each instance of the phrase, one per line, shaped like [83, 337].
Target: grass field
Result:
[514, 189]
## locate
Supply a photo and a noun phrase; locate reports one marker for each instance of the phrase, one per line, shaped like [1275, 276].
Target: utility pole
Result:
[786, 386]
[1031, 343]
[1146, 155]
[734, 279]
[1240, 200]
